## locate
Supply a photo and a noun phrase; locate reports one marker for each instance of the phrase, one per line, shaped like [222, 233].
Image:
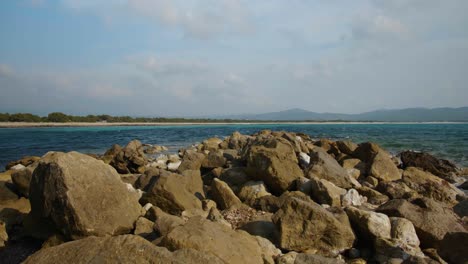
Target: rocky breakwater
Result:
[271, 197]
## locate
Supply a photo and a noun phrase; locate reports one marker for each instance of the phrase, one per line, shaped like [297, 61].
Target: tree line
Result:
[58, 117]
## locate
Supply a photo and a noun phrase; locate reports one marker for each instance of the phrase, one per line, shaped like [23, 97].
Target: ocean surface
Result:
[449, 141]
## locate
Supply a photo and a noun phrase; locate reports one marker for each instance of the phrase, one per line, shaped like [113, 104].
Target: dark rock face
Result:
[439, 167]
[453, 247]
[432, 220]
[130, 159]
[65, 189]
[25, 161]
[119, 249]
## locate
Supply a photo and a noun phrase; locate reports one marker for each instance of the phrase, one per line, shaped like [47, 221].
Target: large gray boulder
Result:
[130, 159]
[215, 238]
[305, 225]
[81, 196]
[432, 220]
[324, 166]
[174, 193]
[274, 162]
[118, 249]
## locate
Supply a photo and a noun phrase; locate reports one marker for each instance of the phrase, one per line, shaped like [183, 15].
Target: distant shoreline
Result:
[102, 124]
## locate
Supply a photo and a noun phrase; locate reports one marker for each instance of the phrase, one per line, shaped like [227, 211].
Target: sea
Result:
[444, 140]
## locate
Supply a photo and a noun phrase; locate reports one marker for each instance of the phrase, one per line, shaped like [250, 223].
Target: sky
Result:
[217, 57]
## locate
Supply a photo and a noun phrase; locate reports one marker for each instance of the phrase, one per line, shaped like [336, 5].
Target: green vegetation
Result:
[58, 117]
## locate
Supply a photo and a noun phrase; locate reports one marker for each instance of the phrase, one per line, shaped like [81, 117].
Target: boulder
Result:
[369, 225]
[173, 193]
[65, 187]
[6, 193]
[3, 235]
[237, 141]
[251, 191]
[324, 166]
[373, 196]
[325, 192]
[352, 198]
[25, 161]
[432, 220]
[346, 146]
[383, 168]
[439, 167]
[223, 195]
[118, 249]
[22, 178]
[163, 222]
[404, 234]
[234, 177]
[144, 228]
[305, 225]
[304, 258]
[453, 247]
[213, 160]
[191, 160]
[428, 185]
[214, 238]
[211, 144]
[367, 151]
[304, 160]
[461, 209]
[274, 162]
[130, 159]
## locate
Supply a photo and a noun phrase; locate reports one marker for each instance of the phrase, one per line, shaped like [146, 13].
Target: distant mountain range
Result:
[400, 115]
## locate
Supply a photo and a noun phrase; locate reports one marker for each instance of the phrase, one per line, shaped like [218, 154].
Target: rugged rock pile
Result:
[273, 197]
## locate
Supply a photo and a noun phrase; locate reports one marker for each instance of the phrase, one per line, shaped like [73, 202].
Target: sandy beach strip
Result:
[103, 124]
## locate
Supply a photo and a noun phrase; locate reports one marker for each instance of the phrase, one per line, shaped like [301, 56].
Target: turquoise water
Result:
[449, 141]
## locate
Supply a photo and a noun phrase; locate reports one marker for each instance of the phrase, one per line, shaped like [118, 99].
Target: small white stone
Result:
[18, 167]
[173, 166]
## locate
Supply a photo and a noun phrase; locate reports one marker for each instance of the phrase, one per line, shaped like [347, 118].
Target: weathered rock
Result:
[223, 195]
[304, 160]
[369, 225]
[367, 151]
[323, 166]
[174, 166]
[431, 219]
[25, 161]
[173, 193]
[325, 192]
[251, 191]
[431, 186]
[453, 247]
[352, 198]
[211, 144]
[304, 258]
[287, 258]
[397, 190]
[439, 167]
[206, 236]
[346, 146]
[234, 177]
[383, 168]
[215, 215]
[404, 233]
[461, 209]
[130, 159]
[262, 226]
[64, 190]
[163, 222]
[274, 162]
[144, 228]
[214, 160]
[118, 249]
[6, 193]
[237, 141]
[305, 225]
[153, 149]
[373, 196]
[22, 178]
[3, 234]
[269, 251]
[191, 160]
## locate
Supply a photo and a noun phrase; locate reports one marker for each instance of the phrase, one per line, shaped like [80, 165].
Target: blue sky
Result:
[185, 58]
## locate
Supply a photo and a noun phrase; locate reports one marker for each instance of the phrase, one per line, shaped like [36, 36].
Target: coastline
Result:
[98, 124]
